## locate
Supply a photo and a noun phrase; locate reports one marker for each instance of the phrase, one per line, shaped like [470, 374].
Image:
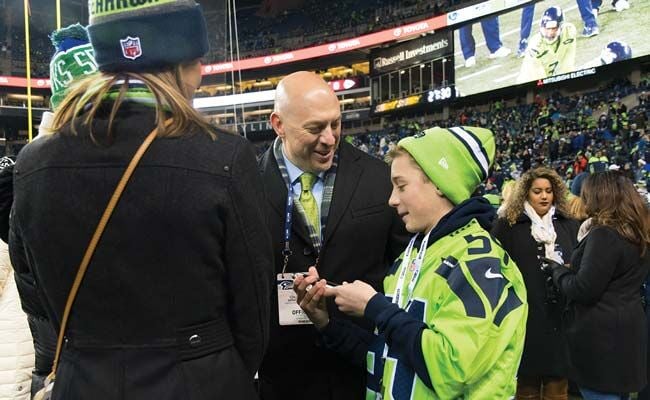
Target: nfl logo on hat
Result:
[131, 48]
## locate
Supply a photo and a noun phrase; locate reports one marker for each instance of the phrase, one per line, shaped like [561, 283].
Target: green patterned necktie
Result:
[307, 199]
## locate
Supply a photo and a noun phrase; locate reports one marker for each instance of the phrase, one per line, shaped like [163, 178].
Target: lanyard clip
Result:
[286, 253]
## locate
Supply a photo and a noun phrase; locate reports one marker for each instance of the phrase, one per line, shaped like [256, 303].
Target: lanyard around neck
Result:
[316, 237]
[288, 216]
[286, 251]
[415, 266]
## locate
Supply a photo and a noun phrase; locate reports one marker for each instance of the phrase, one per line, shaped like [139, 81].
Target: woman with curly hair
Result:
[607, 334]
[536, 223]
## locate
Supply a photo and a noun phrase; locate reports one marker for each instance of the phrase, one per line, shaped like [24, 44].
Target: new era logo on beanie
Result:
[455, 159]
[73, 59]
[146, 35]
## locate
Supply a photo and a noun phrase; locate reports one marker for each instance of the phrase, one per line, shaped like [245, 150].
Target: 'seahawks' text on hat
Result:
[107, 7]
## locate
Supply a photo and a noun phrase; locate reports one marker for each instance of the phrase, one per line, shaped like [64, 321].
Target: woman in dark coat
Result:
[645, 393]
[607, 332]
[534, 224]
[175, 302]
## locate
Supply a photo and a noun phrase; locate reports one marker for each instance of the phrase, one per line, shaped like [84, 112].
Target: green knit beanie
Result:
[455, 159]
[73, 59]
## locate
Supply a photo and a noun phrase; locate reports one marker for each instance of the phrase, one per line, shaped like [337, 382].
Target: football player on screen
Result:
[552, 50]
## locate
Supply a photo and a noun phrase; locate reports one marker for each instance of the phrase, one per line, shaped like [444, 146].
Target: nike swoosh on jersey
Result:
[491, 275]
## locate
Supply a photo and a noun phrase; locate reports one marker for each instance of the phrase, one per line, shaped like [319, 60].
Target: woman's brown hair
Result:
[515, 206]
[171, 99]
[611, 199]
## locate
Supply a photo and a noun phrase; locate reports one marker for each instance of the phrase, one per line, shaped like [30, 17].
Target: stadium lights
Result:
[349, 84]
[15, 96]
[343, 84]
[243, 98]
[263, 111]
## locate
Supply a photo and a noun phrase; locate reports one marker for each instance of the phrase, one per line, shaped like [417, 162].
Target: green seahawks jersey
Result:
[545, 59]
[472, 299]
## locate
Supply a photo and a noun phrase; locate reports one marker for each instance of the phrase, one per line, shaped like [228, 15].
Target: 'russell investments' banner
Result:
[429, 47]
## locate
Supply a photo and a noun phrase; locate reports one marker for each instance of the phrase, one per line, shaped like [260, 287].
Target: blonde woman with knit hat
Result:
[452, 322]
[174, 301]
[536, 223]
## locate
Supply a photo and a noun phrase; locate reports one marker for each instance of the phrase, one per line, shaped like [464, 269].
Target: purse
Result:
[46, 392]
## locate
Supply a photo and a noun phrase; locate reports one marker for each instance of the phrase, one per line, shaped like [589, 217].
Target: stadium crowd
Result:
[596, 130]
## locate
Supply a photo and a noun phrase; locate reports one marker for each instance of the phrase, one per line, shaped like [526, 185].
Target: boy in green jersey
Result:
[551, 51]
[452, 322]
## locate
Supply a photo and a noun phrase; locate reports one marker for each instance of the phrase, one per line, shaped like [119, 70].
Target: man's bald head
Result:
[307, 118]
[299, 86]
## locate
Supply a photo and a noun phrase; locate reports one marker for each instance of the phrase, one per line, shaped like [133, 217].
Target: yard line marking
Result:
[490, 68]
[505, 78]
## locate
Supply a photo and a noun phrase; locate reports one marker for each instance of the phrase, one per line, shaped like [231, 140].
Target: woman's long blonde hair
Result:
[167, 87]
[515, 206]
[610, 199]
[506, 196]
[577, 208]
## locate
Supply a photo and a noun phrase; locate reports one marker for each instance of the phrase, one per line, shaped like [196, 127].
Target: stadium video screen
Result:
[563, 43]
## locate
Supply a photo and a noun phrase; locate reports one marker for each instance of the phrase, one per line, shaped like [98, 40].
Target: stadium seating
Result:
[260, 32]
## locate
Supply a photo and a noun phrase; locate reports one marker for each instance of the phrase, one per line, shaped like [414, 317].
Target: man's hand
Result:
[311, 297]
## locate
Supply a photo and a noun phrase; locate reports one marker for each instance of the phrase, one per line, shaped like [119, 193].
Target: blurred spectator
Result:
[536, 224]
[602, 286]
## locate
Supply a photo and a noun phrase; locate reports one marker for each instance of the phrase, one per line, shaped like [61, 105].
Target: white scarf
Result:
[501, 211]
[47, 120]
[584, 229]
[542, 230]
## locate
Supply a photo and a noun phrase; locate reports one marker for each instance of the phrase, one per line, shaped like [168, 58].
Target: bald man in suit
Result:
[345, 227]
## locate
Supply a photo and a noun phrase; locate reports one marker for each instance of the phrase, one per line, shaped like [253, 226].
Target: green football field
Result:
[631, 26]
